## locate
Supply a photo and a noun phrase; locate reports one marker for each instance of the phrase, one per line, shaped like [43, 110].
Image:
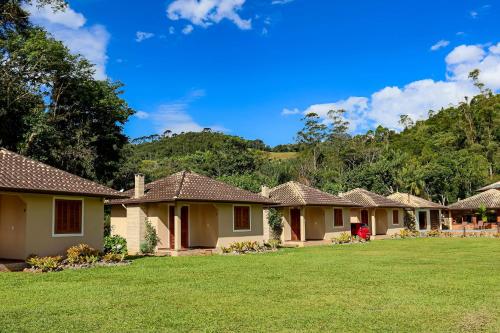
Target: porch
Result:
[469, 220]
[12, 227]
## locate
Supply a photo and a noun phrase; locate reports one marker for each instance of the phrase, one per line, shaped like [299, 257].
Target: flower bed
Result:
[251, 247]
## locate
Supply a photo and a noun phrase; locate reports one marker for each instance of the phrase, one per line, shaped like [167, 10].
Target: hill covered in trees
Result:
[446, 157]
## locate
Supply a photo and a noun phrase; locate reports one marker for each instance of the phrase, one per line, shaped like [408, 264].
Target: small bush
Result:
[45, 264]
[81, 254]
[406, 233]
[243, 247]
[343, 238]
[273, 244]
[113, 257]
[434, 233]
[275, 223]
[115, 244]
[151, 239]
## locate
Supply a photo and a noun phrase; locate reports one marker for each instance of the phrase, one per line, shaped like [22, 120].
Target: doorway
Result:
[422, 220]
[295, 223]
[184, 226]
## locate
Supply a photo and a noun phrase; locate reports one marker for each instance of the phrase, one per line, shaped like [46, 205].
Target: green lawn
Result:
[392, 285]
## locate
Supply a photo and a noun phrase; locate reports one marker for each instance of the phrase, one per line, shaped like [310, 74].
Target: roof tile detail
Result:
[21, 174]
[190, 186]
[489, 198]
[495, 186]
[297, 194]
[414, 201]
[369, 199]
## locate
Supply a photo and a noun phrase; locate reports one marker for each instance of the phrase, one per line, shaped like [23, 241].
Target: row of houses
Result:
[44, 211]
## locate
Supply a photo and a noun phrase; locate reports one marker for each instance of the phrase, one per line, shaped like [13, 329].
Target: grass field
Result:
[417, 285]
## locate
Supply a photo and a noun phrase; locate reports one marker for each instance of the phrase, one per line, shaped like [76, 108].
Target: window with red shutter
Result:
[395, 216]
[338, 218]
[241, 219]
[68, 217]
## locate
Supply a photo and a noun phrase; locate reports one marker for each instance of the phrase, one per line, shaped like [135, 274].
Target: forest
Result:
[53, 109]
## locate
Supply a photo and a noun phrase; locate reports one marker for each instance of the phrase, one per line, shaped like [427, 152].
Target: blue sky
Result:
[252, 68]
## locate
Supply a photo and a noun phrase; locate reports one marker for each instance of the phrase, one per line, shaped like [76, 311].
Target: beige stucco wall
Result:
[331, 230]
[315, 223]
[37, 213]
[12, 227]
[119, 221]
[226, 233]
[157, 214]
[203, 225]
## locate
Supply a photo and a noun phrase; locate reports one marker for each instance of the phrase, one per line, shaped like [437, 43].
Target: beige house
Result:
[44, 210]
[310, 214]
[427, 214]
[383, 216]
[464, 213]
[188, 211]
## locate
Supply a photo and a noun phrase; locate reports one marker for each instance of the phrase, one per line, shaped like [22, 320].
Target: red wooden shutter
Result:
[68, 219]
[338, 218]
[241, 217]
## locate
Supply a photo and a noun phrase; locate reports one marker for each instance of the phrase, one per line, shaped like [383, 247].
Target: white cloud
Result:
[474, 14]
[288, 112]
[171, 30]
[142, 35]
[187, 29]
[439, 45]
[141, 115]
[174, 116]
[415, 99]
[280, 2]
[205, 13]
[69, 27]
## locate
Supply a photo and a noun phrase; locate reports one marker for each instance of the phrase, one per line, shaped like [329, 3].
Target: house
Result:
[44, 210]
[188, 210]
[427, 214]
[310, 214]
[383, 216]
[464, 213]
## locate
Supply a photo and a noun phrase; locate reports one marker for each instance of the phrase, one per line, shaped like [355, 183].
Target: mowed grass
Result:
[417, 285]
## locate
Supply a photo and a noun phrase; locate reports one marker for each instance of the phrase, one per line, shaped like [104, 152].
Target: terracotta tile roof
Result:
[489, 198]
[297, 194]
[495, 186]
[414, 201]
[189, 186]
[21, 174]
[369, 199]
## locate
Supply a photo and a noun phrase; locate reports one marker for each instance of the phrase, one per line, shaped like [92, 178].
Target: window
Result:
[68, 217]
[338, 220]
[395, 216]
[241, 218]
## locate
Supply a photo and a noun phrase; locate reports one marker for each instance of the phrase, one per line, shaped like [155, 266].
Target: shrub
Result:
[45, 264]
[81, 254]
[409, 221]
[243, 247]
[343, 238]
[406, 233]
[113, 257]
[434, 233]
[275, 223]
[115, 244]
[151, 239]
[273, 244]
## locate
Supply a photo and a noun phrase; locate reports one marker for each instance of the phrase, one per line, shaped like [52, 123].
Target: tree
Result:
[311, 136]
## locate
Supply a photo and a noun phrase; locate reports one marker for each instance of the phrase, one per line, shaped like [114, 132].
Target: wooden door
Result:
[435, 219]
[185, 227]
[422, 220]
[364, 216]
[171, 226]
[295, 223]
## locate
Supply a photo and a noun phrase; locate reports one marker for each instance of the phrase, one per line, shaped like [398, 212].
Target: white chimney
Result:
[265, 191]
[139, 186]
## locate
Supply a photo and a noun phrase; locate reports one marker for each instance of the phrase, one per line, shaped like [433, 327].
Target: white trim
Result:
[249, 216]
[54, 216]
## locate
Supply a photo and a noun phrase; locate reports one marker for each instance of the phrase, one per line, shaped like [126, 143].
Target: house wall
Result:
[315, 223]
[12, 227]
[331, 230]
[287, 230]
[119, 221]
[391, 227]
[157, 215]
[226, 233]
[26, 226]
[203, 225]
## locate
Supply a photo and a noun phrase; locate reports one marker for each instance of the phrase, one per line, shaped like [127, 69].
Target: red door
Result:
[185, 227]
[171, 226]
[364, 216]
[295, 223]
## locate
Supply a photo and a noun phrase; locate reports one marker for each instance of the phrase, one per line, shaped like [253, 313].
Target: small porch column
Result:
[440, 221]
[302, 224]
[177, 228]
[428, 218]
[373, 221]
